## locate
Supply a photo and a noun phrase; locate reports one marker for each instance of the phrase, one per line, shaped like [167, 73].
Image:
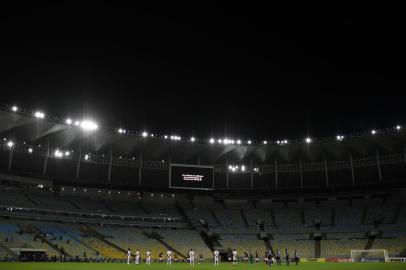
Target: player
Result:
[216, 257]
[296, 258]
[192, 257]
[148, 260]
[287, 257]
[270, 259]
[234, 256]
[160, 256]
[137, 257]
[256, 257]
[245, 258]
[201, 260]
[128, 256]
[278, 257]
[169, 257]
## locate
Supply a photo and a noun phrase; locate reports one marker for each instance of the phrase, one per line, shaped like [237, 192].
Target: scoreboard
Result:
[191, 176]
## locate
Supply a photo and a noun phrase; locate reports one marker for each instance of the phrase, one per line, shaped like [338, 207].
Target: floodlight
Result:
[14, 108]
[192, 139]
[88, 125]
[58, 153]
[211, 140]
[308, 140]
[373, 132]
[68, 121]
[10, 144]
[39, 114]
[144, 134]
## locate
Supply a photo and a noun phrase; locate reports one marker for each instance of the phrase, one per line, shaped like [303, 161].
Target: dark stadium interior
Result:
[214, 128]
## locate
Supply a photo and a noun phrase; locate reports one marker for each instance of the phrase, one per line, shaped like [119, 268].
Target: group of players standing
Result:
[169, 259]
[269, 258]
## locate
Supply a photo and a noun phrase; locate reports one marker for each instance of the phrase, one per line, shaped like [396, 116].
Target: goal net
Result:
[369, 255]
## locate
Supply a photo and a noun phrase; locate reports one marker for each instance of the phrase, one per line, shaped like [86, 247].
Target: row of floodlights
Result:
[57, 153]
[89, 125]
[152, 195]
[240, 168]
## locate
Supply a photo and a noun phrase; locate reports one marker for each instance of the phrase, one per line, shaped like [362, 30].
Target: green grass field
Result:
[182, 266]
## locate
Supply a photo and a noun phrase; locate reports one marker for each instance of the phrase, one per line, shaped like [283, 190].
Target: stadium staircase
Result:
[183, 213]
[302, 216]
[369, 243]
[40, 235]
[396, 216]
[215, 217]
[105, 204]
[317, 248]
[267, 241]
[333, 217]
[30, 199]
[273, 219]
[140, 205]
[101, 237]
[244, 218]
[73, 204]
[210, 239]
[160, 239]
[364, 214]
[8, 251]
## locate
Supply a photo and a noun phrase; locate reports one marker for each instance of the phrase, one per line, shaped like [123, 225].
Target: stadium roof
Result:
[37, 130]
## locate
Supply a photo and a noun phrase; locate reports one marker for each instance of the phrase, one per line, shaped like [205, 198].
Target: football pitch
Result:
[205, 266]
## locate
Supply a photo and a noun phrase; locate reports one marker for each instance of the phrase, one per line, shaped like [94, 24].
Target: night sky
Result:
[260, 72]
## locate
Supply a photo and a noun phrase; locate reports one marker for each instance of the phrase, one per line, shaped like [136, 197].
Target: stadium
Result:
[204, 137]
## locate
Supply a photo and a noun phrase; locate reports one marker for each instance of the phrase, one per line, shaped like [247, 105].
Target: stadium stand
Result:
[346, 224]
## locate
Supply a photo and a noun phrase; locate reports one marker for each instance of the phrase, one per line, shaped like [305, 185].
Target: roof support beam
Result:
[44, 166]
[352, 170]
[10, 156]
[79, 161]
[251, 174]
[301, 173]
[140, 169]
[110, 157]
[378, 165]
[326, 171]
[276, 174]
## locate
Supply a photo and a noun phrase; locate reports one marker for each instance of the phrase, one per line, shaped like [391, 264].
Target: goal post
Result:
[369, 255]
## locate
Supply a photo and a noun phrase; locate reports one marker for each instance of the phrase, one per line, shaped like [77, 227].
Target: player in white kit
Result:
[148, 260]
[128, 256]
[137, 256]
[192, 257]
[234, 256]
[216, 257]
[169, 257]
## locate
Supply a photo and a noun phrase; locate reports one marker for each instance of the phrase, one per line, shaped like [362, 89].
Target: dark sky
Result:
[243, 71]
